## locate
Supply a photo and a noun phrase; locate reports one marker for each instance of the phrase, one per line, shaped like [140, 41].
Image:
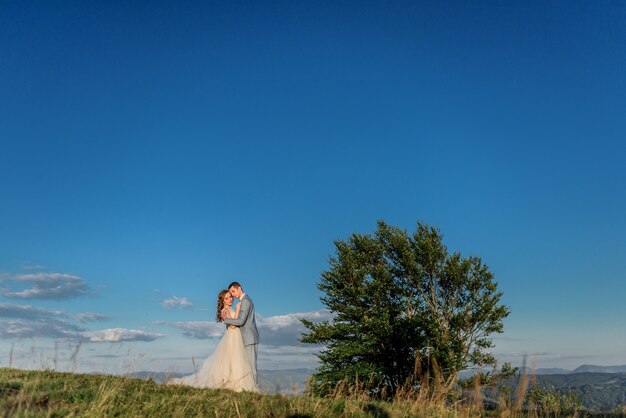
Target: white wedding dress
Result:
[228, 367]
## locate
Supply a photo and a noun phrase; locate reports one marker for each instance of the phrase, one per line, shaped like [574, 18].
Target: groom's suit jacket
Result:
[246, 321]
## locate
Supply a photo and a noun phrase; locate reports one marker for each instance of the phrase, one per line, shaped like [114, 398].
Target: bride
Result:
[228, 366]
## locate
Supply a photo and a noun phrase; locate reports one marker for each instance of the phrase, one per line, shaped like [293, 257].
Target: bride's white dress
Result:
[228, 367]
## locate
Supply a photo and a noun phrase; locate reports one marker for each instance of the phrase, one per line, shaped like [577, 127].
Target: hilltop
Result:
[49, 393]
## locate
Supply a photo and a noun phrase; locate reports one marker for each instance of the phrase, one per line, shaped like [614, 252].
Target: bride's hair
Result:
[220, 305]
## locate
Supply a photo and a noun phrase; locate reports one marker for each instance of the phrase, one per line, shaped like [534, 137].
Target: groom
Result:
[246, 323]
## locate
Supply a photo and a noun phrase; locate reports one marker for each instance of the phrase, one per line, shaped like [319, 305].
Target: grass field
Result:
[54, 394]
[48, 393]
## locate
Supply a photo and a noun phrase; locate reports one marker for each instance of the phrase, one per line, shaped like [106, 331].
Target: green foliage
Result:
[600, 392]
[552, 401]
[406, 311]
[602, 397]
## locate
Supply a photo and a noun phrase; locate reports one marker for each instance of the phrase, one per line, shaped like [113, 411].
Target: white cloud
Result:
[288, 357]
[11, 310]
[91, 317]
[120, 335]
[40, 328]
[197, 329]
[26, 321]
[176, 302]
[278, 330]
[46, 286]
[286, 329]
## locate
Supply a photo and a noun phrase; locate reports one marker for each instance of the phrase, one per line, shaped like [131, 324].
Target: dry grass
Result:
[49, 394]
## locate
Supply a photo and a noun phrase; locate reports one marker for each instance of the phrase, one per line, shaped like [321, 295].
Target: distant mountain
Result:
[555, 370]
[589, 368]
[598, 392]
[585, 368]
[599, 388]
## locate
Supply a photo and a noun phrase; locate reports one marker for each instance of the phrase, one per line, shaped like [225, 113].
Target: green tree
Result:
[552, 401]
[406, 312]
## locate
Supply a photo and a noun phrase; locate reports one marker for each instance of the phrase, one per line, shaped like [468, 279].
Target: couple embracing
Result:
[233, 363]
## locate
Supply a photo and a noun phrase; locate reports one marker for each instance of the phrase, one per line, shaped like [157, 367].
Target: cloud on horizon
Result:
[288, 357]
[51, 328]
[196, 329]
[279, 334]
[278, 330]
[26, 321]
[11, 310]
[120, 335]
[54, 286]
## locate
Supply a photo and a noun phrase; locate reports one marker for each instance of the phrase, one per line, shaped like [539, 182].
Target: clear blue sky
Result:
[159, 149]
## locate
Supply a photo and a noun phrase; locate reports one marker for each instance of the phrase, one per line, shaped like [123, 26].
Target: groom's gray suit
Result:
[247, 324]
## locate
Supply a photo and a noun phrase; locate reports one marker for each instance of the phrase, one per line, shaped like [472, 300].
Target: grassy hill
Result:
[48, 393]
[55, 394]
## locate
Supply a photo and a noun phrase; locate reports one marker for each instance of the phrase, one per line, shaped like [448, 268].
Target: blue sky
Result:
[152, 150]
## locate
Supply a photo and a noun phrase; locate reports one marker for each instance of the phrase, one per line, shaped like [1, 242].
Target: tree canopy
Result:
[406, 311]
